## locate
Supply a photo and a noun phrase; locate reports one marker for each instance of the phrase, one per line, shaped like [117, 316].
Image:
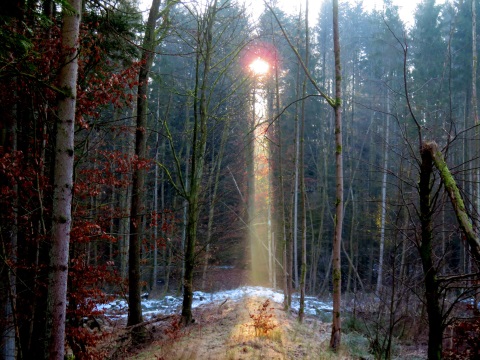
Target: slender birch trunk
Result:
[63, 182]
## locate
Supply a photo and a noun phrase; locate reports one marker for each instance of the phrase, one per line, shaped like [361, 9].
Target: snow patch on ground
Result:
[172, 304]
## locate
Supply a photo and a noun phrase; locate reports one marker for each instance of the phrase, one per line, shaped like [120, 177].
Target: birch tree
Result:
[63, 181]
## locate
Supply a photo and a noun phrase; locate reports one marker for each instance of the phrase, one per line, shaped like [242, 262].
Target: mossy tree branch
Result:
[456, 199]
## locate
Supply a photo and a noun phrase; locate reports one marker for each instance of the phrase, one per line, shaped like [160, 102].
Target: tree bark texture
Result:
[63, 182]
[335, 339]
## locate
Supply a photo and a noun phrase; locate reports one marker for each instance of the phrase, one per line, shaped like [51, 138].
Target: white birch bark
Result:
[63, 181]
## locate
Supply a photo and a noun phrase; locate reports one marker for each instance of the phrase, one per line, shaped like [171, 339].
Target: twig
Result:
[220, 307]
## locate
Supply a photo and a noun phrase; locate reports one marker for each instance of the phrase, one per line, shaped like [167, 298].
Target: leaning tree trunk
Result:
[456, 199]
[432, 156]
[138, 187]
[63, 182]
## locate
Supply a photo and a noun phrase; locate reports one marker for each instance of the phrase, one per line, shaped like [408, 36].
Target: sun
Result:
[259, 66]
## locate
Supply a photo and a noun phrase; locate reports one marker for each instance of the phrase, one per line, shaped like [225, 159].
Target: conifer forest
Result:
[169, 150]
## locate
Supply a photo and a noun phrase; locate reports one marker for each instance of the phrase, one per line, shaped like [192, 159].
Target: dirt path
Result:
[227, 332]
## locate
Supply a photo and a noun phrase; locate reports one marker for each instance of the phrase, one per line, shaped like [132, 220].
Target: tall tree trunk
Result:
[432, 291]
[384, 201]
[199, 142]
[336, 104]
[155, 200]
[138, 186]
[335, 339]
[63, 182]
[303, 272]
[287, 275]
[476, 192]
[296, 188]
[476, 163]
[250, 162]
[124, 204]
[185, 204]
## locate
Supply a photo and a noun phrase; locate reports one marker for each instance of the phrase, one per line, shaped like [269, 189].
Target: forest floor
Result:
[227, 331]
[228, 325]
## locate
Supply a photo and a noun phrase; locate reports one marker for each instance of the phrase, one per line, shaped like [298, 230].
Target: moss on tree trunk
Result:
[456, 199]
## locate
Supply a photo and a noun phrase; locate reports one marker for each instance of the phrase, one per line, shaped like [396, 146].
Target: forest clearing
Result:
[239, 179]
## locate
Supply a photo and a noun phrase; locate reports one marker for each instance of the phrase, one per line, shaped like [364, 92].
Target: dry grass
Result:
[227, 332]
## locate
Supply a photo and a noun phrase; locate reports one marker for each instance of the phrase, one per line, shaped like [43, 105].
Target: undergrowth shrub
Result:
[263, 319]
